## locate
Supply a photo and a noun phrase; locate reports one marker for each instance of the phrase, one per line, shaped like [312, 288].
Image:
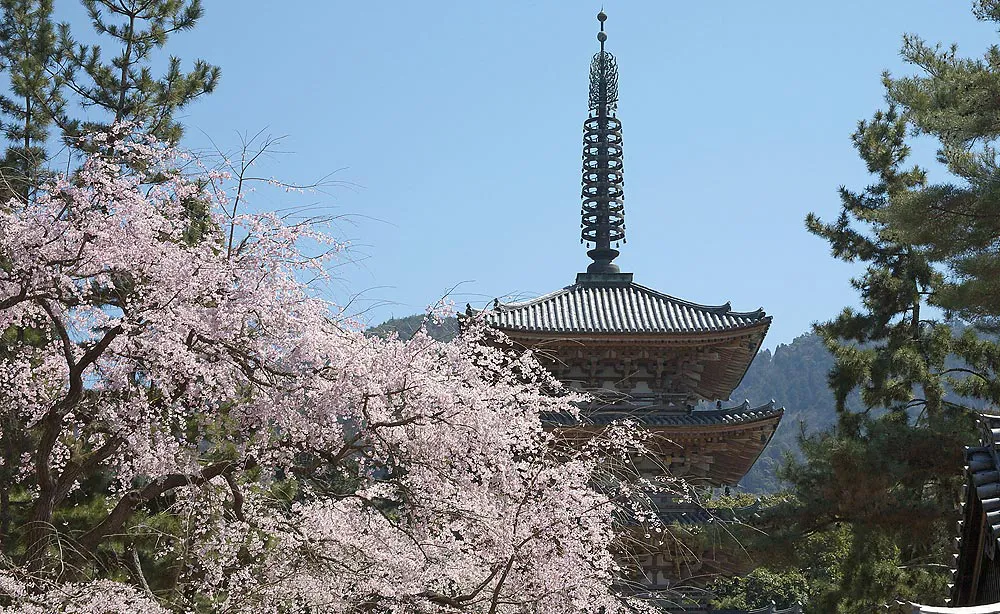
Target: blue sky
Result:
[457, 129]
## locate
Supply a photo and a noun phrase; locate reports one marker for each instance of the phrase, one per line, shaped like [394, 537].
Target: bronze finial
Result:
[601, 36]
[603, 210]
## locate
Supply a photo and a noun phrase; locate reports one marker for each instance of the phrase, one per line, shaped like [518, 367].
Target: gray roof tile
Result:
[975, 609]
[607, 414]
[982, 464]
[618, 308]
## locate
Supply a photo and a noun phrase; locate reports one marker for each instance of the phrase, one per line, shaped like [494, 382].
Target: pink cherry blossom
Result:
[309, 467]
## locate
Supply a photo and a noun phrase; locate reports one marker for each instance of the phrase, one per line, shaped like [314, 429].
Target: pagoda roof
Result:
[726, 441]
[982, 466]
[614, 304]
[695, 514]
[606, 414]
[972, 609]
[671, 607]
[795, 609]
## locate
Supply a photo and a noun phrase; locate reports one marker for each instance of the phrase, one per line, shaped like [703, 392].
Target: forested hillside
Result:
[444, 330]
[794, 375]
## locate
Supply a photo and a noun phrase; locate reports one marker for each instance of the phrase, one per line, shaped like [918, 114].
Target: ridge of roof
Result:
[697, 513]
[700, 609]
[618, 306]
[993, 608]
[725, 308]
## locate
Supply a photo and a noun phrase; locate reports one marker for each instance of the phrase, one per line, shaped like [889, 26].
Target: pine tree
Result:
[886, 477]
[83, 89]
[956, 100]
[124, 88]
[28, 55]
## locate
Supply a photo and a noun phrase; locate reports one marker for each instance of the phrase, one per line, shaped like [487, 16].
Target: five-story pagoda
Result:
[644, 354]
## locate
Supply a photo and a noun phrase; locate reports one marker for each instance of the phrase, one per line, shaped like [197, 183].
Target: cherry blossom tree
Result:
[193, 428]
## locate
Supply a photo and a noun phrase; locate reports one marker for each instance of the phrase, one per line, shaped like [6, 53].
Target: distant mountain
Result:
[794, 375]
[445, 330]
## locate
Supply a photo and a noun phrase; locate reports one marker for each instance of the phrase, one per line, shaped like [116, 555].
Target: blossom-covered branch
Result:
[192, 415]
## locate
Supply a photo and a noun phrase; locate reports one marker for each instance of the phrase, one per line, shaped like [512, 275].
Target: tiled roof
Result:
[697, 514]
[795, 609]
[745, 432]
[980, 512]
[972, 609]
[618, 306]
[607, 414]
[983, 468]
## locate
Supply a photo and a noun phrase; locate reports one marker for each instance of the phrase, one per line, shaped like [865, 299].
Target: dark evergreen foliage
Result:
[124, 88]
[956, 100]
[882, 485]
[28, 56]
[886, 477]
[761, 588]
[54, 81]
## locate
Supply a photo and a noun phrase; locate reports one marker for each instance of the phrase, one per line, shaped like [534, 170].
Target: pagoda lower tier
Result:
[706, 448]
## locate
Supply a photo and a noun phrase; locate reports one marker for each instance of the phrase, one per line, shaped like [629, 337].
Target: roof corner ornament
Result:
[603, 209]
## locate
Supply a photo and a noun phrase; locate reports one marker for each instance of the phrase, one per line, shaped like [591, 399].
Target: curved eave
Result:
[681, 336]
[753, 354]
[725, 308]
[980, 510]
[732, 417]
[744, 443]
[615, 306]
[982, 466]
[795, 609]
[732, 448]
[975, 609]
[699, 514]
[722, 444]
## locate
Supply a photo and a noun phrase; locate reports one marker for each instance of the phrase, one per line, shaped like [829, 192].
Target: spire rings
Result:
[602, 212]
[603, 208]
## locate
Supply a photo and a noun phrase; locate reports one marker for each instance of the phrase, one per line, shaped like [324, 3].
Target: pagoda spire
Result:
[603, 209]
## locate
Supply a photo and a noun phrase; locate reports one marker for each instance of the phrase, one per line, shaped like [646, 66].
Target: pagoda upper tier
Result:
[608, 333]
[619, 305]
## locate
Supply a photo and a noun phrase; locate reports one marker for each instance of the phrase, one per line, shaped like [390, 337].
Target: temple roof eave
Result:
[618, 307]
[676, 337]
[739, 345]
[746, 431]
[716, 420]
[993, 608]
[724, 307]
